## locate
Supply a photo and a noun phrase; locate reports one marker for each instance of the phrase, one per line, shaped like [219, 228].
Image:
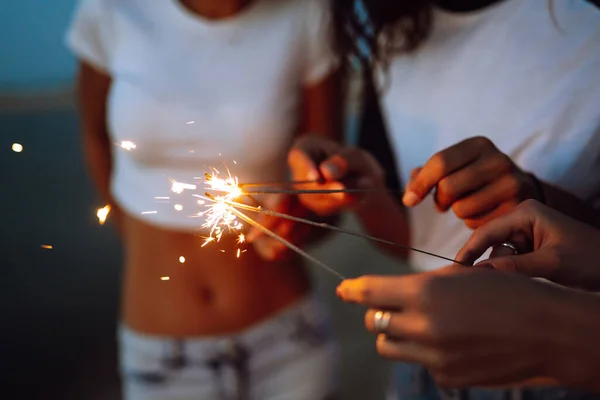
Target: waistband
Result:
[306, 320]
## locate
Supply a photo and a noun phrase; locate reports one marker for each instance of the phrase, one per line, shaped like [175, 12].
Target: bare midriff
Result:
[211, 293]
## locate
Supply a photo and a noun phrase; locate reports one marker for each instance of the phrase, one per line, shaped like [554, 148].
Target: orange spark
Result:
[102, 214]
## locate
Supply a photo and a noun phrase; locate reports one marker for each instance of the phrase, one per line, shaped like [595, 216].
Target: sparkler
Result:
[288, 244]
[337, 229]
[318, 191]
[220, 217]
[227, 204]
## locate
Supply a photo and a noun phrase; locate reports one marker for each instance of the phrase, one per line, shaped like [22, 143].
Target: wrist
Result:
[575, 357]
[538, 189]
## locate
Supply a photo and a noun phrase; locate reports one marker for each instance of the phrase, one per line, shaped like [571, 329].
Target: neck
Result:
[464, 5]
[212, 9]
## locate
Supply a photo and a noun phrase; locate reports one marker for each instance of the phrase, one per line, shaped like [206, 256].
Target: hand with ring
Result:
[475, 327]
[549, 245]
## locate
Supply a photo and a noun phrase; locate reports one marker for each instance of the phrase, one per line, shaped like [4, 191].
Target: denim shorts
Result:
[291, 356]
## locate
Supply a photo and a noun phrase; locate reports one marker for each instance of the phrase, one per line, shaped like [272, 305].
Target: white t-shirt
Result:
[192, 93]
[510, 73]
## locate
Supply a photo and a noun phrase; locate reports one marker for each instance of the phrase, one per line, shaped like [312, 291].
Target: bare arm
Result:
[568, 204]
[92, 90]
[321, 111]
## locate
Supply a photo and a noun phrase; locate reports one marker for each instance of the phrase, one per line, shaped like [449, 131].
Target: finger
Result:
[383, 292]
[502, 251]
[267, 221]
[273, 202]
[441, 165]
[405, 325]
[354, 163]
[405, 351]
[264, 248]
[469, 179]
[490, 215]
[302, 167]
[538, 264]
[503, 229]
[478, 204]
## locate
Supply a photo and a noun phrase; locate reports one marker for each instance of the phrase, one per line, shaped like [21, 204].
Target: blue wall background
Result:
[32, 54]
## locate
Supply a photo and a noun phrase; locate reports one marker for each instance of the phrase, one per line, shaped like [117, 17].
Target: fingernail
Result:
[410, 199]
[342, 289]
[331, 169]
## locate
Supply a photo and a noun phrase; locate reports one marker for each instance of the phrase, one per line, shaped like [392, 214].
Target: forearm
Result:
[99, 165]
[569, 204]
[382, 216]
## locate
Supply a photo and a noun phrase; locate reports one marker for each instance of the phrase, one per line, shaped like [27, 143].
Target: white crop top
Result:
[191, 93]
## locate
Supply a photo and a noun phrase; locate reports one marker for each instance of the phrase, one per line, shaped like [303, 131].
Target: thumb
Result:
[538, 264]
[412, 195]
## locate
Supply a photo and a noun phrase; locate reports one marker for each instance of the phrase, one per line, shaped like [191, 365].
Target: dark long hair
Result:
[395, 26]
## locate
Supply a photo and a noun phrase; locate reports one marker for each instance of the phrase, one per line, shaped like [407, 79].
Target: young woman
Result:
[188, 81]
[487, 103]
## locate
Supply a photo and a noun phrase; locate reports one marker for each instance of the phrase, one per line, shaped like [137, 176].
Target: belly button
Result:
[207, 295]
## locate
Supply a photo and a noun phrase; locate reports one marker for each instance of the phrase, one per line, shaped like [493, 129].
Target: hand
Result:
[332, 167]
[269, 248]
[551, 246]
[473, 178]
[468, 327]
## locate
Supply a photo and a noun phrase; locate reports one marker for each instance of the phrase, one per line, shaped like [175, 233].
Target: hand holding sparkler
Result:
[469, 327]
[332, 167]
[268, 247]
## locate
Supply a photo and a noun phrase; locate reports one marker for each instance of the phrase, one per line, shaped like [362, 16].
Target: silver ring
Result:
[382, 321]
[510, 246]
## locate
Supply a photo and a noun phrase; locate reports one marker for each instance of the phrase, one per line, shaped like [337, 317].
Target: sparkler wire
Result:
[337, 229]
[291, 246]
[284, 183]
[317, 191]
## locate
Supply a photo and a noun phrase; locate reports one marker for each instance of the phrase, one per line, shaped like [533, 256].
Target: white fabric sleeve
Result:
[320, 57]
[90, 35]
